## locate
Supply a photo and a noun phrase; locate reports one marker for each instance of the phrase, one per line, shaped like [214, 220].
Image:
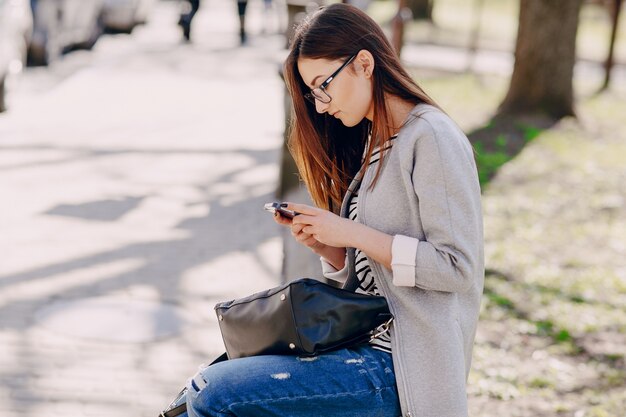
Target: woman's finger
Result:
[304, 219]
[303, 237]
[296, 227]
[310, 241]
[301, 208]
[281, 220]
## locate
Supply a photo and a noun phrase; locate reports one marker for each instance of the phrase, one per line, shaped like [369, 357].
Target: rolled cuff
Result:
[331, 272]
[403, 254]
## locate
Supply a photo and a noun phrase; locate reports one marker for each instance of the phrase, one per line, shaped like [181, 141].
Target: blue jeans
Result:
[357, 381]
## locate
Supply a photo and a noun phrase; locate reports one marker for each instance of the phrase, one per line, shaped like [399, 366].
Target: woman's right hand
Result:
[301, 237]
[335, 256]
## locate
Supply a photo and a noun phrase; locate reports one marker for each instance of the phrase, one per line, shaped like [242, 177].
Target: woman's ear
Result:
[365, 63]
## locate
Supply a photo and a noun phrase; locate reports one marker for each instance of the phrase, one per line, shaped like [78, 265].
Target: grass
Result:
[489, 162]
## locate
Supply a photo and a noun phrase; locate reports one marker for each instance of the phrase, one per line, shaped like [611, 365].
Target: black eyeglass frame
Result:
[312, 96]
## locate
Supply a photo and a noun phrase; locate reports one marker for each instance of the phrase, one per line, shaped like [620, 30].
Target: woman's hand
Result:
[321, 225]
[301, 237]
[334, 234]
[302, 233]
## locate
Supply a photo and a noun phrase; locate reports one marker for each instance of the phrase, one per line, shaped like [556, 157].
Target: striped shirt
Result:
[364, 273]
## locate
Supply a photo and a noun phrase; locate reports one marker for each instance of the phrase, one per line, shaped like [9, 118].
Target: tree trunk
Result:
[421, 9]
[608, 65]
[545, 54]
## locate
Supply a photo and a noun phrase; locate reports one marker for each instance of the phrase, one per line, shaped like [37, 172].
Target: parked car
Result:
[16, 25]
[124, 15]
[61, 25]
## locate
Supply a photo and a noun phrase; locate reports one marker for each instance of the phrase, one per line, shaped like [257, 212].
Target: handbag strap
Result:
[352, 283]
[382, 329]
[177, 407]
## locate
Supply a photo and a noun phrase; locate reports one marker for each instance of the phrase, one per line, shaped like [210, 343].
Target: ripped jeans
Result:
[357, 381]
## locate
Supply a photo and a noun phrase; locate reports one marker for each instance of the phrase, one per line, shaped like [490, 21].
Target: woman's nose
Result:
[321, 107]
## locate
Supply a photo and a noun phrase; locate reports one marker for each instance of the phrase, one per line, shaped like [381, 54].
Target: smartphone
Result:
[275, 207]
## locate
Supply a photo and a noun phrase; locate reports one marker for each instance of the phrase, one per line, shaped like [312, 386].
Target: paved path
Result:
[132, 182]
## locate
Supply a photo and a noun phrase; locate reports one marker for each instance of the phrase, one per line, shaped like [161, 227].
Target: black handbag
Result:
[303, 317]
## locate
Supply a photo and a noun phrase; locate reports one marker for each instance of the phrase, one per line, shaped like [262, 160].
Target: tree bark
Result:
[422, 9]
[545, 54]
[616, 6]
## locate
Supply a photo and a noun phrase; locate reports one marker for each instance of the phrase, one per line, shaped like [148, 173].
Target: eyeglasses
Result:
[320, 93]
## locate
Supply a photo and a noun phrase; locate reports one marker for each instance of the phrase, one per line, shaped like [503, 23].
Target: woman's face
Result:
[350, 91]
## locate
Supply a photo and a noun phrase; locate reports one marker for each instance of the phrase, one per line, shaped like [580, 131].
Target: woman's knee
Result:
[213, 390]
[207, 393]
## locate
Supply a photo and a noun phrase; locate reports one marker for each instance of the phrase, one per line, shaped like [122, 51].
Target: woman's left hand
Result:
[325, 226]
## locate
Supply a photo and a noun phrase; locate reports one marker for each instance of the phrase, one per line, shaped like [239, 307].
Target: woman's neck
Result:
[397, 109]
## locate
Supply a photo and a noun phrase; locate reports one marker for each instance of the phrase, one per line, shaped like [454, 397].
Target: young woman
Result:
[397, 214]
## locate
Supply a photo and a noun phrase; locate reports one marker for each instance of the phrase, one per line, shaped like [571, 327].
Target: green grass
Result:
[490, 162]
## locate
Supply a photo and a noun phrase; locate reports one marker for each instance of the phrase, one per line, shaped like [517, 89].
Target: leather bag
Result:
[303, 317]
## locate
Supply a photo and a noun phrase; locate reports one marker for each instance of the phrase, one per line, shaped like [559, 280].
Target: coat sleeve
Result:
[331, 272]
[444, 178]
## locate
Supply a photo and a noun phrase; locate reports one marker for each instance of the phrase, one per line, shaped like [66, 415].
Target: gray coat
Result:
[428, 198]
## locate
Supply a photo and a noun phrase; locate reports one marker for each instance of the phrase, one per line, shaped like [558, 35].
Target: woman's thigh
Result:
[358, 381]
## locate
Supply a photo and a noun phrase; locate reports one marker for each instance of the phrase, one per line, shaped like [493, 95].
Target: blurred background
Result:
[139, 140]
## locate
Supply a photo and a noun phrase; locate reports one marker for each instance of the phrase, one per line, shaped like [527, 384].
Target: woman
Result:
[397, 213]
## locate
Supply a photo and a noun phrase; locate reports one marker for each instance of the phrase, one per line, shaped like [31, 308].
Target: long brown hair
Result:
[327, 153]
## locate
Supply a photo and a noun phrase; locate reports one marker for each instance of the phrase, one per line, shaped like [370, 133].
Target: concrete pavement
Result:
[132, 185]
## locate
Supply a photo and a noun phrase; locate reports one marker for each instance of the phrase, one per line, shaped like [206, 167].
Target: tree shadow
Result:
[503, 138]
[108, 210]
[585, 345]
[231, 226]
